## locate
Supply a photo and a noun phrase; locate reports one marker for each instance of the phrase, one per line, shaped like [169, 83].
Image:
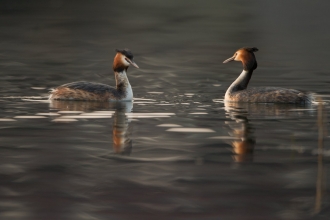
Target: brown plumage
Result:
[238, 91]
[89, 91]
[270, 95]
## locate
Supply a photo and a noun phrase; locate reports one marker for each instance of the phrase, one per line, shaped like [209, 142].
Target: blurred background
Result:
[47, 43]
[179, 152]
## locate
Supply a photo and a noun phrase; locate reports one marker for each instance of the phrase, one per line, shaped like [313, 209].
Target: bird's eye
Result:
[128, 60]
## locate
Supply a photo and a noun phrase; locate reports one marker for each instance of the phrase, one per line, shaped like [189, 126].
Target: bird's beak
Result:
[132, 63]
[230, 59]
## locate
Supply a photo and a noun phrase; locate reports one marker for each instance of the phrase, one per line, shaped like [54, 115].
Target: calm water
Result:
[177, 152]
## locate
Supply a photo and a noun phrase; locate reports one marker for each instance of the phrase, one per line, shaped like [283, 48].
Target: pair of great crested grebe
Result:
[237, 92]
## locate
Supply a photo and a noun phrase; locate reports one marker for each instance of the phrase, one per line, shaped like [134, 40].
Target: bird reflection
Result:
[79, 105]
[242, 131]
[122, 144]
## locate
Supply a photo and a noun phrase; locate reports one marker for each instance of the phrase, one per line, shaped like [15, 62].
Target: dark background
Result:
[69, 170]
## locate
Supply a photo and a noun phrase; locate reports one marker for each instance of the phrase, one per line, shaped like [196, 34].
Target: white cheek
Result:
[125, 61]
[237, 57]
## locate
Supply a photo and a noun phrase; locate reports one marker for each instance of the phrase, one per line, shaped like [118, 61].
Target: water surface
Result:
[178, 151]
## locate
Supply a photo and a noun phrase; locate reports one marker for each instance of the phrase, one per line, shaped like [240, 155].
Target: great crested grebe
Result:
[89, 91]
[238, 91]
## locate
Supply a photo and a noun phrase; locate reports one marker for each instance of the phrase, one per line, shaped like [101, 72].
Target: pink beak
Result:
[132, 62]
[229, 59]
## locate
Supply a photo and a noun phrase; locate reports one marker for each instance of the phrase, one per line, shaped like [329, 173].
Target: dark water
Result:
[177, 152]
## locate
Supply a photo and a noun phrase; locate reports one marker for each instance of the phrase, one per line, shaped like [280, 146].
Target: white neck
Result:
[123, 85]
[240, 83]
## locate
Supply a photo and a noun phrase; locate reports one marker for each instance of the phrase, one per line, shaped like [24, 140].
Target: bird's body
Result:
[90, 91]
[238, 91]
[269, 95]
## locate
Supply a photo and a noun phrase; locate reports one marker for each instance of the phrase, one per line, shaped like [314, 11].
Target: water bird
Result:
[238, 91]
[90, 91]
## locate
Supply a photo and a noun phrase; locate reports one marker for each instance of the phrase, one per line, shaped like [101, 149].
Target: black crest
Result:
[126, 52]
[250, 49]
